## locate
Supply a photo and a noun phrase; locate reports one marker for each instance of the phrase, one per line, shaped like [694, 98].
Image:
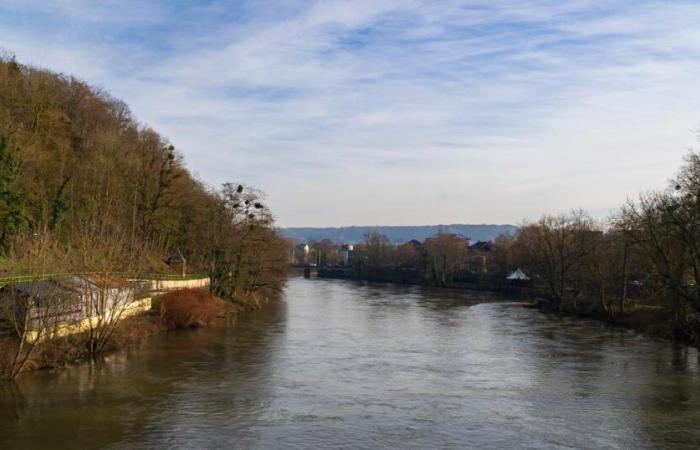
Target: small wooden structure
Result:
[178, 258]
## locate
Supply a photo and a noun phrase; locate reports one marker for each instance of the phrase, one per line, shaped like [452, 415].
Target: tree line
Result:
[84, 187]
[87, 190]
[643, 261]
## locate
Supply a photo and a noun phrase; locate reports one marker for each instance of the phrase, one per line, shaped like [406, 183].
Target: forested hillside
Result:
[84, 187]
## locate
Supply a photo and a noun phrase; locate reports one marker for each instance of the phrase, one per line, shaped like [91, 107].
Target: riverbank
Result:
[649, 320]
[175, 310]
[342, 364]
[410, 277]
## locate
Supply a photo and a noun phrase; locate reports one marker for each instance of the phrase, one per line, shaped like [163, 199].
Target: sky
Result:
[395, 112]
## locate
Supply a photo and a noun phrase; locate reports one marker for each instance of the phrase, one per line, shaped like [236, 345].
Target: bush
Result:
[134, 331]
[59, 352]
[190, 308]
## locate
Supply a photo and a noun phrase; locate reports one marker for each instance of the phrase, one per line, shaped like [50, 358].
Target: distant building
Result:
[411, 254]
[479, 255]
[413, 244]
[346, 251]
[482, 246]
[518, 277]
[300, 254]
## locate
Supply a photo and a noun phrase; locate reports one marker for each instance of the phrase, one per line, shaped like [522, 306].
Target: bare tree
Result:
[554, 249]
[665, 228]
[378, 249]
[447, 254]
[103, 263]
[35, 306]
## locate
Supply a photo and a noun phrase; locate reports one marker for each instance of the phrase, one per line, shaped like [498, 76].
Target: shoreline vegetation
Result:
[639, 269]
[92, 202]
[649, 320]
[172, 311]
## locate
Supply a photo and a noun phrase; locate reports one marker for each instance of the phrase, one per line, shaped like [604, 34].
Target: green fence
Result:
[34, 277]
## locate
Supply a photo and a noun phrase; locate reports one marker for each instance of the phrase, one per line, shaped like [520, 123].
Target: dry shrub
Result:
[253, 300]
[59, 352]
[134, 331]
[131, 332]
[190, 308]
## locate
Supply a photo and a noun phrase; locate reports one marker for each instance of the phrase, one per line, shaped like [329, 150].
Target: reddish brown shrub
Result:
[190, 308]
[134, 331]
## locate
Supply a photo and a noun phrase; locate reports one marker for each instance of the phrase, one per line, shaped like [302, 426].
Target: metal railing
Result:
[14, 279]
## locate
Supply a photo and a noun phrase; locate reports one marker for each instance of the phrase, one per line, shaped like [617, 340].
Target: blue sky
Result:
[395, 112]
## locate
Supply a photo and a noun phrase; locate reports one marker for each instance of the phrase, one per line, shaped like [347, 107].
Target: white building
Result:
[345, 252]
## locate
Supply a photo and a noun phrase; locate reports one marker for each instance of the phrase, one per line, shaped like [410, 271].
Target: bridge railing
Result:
[14, 279]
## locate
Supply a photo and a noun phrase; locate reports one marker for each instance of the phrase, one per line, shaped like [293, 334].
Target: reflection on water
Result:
[344, 364]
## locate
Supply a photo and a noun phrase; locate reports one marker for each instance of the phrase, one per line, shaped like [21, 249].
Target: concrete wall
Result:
[135, 307]
[171, 285]
[76, 325]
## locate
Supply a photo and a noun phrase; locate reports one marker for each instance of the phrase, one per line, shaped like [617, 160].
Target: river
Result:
[352, 365]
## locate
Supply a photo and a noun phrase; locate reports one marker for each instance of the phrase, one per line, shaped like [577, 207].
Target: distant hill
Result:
[396, 233]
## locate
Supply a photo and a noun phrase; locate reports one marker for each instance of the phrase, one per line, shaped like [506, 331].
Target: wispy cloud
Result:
[395, 111]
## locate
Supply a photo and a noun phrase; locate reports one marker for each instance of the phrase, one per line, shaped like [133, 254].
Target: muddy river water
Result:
[340, 364]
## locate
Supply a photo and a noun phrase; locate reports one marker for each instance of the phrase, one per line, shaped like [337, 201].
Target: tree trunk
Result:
[625, 281]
